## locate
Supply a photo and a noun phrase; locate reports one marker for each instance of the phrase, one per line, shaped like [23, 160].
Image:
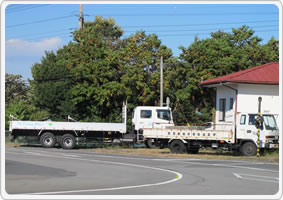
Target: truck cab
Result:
[269, 133]
[151, 117]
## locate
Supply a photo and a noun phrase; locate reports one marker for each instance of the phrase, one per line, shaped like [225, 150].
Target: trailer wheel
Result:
[248, 149]
[177, 146]
[68, 141]
[47, 140]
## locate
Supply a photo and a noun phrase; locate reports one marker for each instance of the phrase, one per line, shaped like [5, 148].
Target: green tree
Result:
[219, 55]
[140, 56]
[94, 62]
[18, 103]
[51, 85]
[15, 88]
[22, 110]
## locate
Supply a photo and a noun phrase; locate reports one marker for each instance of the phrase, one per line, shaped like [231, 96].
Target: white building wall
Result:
[223, 92]
[247, 100]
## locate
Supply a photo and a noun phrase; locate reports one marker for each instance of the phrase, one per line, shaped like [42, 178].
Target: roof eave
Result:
[219, 83]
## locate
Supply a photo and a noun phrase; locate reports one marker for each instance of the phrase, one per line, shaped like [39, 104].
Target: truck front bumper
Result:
[272, 146]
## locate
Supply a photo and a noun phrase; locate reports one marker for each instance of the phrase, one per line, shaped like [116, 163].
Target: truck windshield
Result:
[269, 122]
[164, 114]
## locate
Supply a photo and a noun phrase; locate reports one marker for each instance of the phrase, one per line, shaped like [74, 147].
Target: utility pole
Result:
[161, 81]
[258, 125]
[81, 17]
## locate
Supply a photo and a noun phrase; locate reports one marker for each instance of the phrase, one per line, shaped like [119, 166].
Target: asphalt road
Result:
[39, 171]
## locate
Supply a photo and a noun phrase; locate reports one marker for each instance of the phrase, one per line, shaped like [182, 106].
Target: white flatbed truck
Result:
[241, 136]
[69, 134]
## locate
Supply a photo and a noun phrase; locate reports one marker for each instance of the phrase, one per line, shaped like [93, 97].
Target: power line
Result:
[199, 29]
[182, 14]
[219, 23]
[205, 33]
[68, 35]
[64, 30]
[34, 38]
[36, 34]
[23, 8]
[40, 21]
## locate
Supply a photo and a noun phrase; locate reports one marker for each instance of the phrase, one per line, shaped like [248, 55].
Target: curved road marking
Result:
[178, 176]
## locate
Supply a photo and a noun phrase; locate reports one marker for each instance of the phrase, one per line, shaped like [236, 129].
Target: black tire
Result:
[248, 149]
[177, 146]
[149, 144]
[47, 140]
[193, 151]
[68, 141]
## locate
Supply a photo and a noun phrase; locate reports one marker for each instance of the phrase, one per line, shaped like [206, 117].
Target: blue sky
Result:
[31, 29]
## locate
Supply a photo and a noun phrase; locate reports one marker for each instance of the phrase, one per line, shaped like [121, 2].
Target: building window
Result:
[222, 106]
[146, 113]
[231, 103]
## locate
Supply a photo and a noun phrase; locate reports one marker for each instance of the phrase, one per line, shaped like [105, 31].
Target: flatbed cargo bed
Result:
[67, 126]
[189, 133]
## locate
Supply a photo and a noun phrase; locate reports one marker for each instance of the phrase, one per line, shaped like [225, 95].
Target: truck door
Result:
[252, 130]
[145, 119]
[242, 127]
[246, 128]
[164, 117]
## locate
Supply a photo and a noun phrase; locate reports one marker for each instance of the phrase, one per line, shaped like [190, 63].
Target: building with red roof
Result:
[267, 74]
[238, 93]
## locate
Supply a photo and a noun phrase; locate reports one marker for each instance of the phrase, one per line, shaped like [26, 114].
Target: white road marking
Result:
[257, 177]
[237, 175]
[33, 153]
[177, 178]
[270, 177]
[75, 156]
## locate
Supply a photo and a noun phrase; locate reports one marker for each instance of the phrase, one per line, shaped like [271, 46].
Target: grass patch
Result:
[203, 154]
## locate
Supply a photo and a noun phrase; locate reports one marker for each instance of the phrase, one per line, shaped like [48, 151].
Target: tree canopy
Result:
[93, 74]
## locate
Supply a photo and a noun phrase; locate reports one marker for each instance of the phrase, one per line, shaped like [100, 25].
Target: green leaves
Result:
[219, 55]
[91, 76]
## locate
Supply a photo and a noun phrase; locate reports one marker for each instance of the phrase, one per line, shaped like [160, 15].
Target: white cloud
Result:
[27, 48]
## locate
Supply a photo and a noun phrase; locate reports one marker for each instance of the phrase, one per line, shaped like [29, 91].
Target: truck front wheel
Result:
[47, 140]
[68, 141]
[177, 146]
[248, 149]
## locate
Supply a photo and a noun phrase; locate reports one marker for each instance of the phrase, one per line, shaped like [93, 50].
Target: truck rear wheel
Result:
[150, 143]
[68, 141]
[47, 140]
[193, 151]
[177, 146]
[248, 149]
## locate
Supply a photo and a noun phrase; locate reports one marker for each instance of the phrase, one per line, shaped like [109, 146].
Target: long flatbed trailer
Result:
[67, 126]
